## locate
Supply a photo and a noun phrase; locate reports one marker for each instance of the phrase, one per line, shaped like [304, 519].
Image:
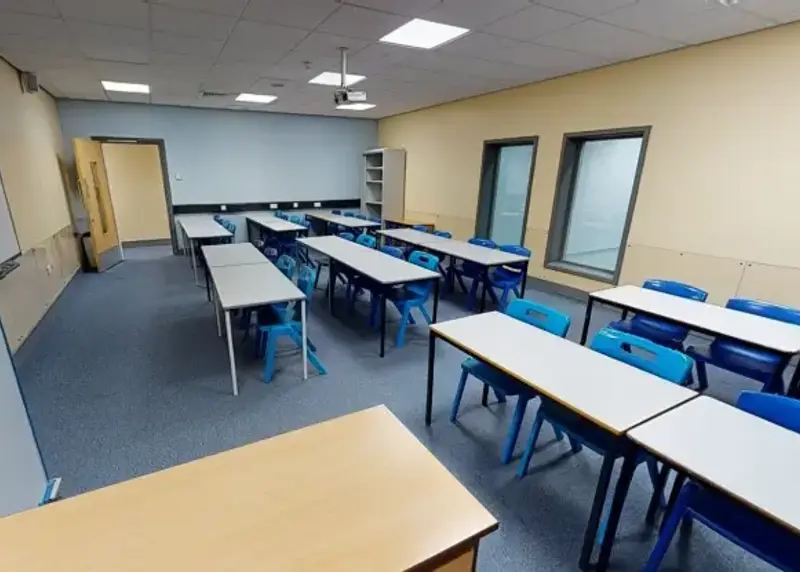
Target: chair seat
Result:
[733, 355]
[655, 330]
[496, 378]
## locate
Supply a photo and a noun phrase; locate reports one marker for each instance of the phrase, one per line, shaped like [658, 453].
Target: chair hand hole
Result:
[639, 352]
[536, 314]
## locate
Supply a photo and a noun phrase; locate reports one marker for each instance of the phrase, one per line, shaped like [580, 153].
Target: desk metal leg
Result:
[215, 301]
[587, 318]
[658, 492]
[230, 353]
[208, 282]
[485, 395]
[431, 364]
[620, 494]
[677, 485]
[485, 286]
[383, 323]
[794, 385]
[304, 325]
[435, 300]
[524, 281]
[194, 262]
[600, 494]
[331, 285]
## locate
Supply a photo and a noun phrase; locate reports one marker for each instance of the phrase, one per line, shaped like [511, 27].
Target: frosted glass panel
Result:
[600, 199]
[511, 194]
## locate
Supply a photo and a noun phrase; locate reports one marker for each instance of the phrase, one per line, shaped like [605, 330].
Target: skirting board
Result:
[555, 288]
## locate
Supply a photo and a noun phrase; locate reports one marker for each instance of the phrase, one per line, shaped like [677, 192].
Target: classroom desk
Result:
[355, 494]
[394, 223]
[460, 250]
[229, 255]
[345, 221]
[198, 228]
[705, 318]
[607, 393]
[251, 285]
[752, 460]
[386, 271]
[272, 224]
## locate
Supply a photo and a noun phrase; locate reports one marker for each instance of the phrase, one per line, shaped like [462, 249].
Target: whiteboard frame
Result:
[13, 224]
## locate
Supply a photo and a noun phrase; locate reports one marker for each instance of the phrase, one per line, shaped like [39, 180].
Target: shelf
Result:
[370, 168]
[378, 203]
[380, 182]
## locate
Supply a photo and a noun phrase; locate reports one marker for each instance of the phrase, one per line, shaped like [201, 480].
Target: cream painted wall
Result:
[137, 191]
[30, 148]
[719, 200]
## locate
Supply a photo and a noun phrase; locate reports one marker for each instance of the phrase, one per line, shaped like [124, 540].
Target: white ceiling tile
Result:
[474, 13]
[355, 22]
[76, 85]
[86, 33]
[779, 10]
[122, 97]
[233, 77]
[40, 7]
[223, 7]
[121, 53]
[606, 41]
[191, 22]
[532, 22]
[199, 47]
[41, 50]
[590, 8]
[129, 13]
[238, 54]
[480, 45]
[179, 73]
[557, 59]
[319, 44]
[117, 71]
[304, 15]
[179, 100]
[17, 23]
[174, 87]
[254, 38]
[379, 56]
[176, 59]
[415, 8]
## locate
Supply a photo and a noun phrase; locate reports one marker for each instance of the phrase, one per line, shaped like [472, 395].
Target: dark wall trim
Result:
[266, 206]
[549, 287]
[565, 187]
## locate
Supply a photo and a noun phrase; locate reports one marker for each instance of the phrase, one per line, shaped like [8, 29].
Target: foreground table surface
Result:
[253, 285]
[348, 221]
[203, 227]
[274, 223]
[610, 393]
[233, 254]
[368, 261]
[763, 332]
[358, 493]
[743, 455]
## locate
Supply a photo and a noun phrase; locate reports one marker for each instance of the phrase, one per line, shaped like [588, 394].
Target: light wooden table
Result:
[355, 494]
[197, 228]
[607, 393]
[705, 318]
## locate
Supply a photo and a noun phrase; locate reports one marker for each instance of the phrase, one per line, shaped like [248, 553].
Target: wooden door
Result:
[96, 197]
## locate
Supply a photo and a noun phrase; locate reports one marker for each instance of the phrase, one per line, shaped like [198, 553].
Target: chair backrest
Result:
[485, 242]
[676, 289]
[347, 236]
[539, 315]
[278, 213]
[420, 227]
[361, 216]
[443, 233]
[367, 240]
[336, 211]
[282, 216]
[781, 410]
[374, 219]
[286, 264]
[393, 251]
[306, 276]
[425, 260]
[765, 309]
[218, 218]
[350, 214]
[643, 354]
[296, 219]
[514, 269]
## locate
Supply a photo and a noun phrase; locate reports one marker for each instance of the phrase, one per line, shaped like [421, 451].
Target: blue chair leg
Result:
[504, 297]
[670, 526]
[531, 445]
[269, 358]
[513, 432]
[461, 282]
[424, 313]
[702, 376]
[312, 356]
[298, 333]
[472, 297]
[501, 397]
[401, 332]
[373, 313]
[652, 469]
[459, 394]
[575, 444]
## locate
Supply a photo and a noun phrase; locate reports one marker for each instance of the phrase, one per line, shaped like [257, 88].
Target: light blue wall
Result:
[227, 156]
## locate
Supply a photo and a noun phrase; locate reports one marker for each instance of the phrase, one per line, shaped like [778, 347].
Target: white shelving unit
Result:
[384, 189]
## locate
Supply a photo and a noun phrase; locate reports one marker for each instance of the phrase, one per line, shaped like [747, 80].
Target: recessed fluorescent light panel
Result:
[423, 34]
[256, 98]
[356, 106]
[125, 87]
[335, 79]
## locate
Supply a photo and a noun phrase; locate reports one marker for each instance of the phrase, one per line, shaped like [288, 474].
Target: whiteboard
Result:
[22, 476]
[9, 246]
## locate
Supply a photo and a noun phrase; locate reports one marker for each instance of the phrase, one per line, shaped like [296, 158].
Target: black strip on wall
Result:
[284, 206]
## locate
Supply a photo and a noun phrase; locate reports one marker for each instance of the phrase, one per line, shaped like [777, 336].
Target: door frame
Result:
[162, 155]
[488, 181]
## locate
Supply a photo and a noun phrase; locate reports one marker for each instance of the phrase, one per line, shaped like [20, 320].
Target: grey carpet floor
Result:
[126, 375]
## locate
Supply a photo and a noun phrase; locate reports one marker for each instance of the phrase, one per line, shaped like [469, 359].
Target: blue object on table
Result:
[536, 315]
[731, 519]
[473, 271]
[420, 227]
[287, 265]
[508, 278]
[281, 215]
[374, 219]
[361, 216]
[414, 295]
[738, 357]
[296, 219]
[284, 320]
[218, 218]
[350, 214]
[336, 211]
[443, 233]
[661, 330]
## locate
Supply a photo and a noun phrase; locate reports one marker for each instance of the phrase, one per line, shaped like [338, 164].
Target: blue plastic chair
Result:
[538, 316]
[281, 215]
[420, 227]
[443, 233]
[375, 219]
[296, 219]
[393, 251]
[218, 218]
[472, 271]
[747, 360]
[367, 240]
[287, 265]
[336, 211]
[361, 216]
[349, 214]
[742, 526]
[414, 295]
[660, 330]
[508, 278]
[347, 236]
[361, 283]
[284, 320]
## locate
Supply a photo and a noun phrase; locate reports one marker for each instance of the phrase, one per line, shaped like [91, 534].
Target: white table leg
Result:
[194, 263]
[215, 301]
[305, 338]
[230, 352]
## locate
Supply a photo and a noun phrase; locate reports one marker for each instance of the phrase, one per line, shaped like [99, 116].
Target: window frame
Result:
[571, 147]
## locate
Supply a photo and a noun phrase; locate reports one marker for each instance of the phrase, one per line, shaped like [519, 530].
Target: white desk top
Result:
[743, 455]
[202, 227]
[614, 395]
[472, 252]
[274, 223]
[367, 261]
[233, 254]
[252, 285]
[763, 332]
[412, 236]
[348, 221]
